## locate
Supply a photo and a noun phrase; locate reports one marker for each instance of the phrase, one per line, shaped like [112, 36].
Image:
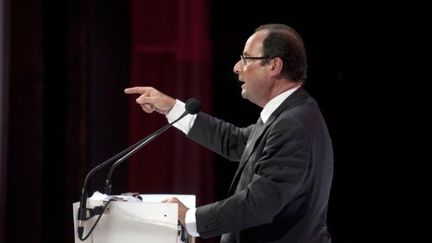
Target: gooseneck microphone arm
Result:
[192, 106]
[145, 141]
[83, 211]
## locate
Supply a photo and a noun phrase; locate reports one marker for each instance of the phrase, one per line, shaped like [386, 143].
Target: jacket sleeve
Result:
[221, 137]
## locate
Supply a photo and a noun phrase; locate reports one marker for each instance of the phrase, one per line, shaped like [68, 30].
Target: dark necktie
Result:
[252, 138]
[247, 152]
[255, 130]
[259, 122]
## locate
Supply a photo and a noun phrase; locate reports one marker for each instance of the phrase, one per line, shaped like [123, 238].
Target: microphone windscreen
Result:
[193, 106]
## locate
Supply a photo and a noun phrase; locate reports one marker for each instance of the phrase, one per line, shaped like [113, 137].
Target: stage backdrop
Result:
[170, 51]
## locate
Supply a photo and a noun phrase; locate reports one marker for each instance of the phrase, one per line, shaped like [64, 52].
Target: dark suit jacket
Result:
[281, 189]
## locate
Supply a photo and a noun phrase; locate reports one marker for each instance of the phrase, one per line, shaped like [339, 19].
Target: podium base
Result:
[135, 222]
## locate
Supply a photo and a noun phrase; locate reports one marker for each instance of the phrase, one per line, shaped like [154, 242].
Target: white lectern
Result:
[135, 221]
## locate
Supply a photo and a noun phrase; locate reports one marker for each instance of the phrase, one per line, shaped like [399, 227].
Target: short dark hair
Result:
[284, 42]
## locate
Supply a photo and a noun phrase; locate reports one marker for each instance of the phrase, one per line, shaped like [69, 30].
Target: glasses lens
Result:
[243, 59]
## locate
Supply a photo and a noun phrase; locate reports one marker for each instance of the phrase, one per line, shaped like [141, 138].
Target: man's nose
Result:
[237, 67]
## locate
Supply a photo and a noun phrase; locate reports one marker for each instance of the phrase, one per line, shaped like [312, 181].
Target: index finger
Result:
[136, 90]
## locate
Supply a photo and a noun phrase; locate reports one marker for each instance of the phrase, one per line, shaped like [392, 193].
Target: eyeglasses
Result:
[245, 58]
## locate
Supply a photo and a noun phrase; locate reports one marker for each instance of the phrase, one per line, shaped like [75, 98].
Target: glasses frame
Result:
[244, 58]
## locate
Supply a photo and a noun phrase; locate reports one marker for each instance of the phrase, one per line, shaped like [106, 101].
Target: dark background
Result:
[63, 110]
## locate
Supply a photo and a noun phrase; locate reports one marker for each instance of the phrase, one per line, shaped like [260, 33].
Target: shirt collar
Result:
[274, 103]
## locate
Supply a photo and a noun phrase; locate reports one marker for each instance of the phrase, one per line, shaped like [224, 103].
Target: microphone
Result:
[192, 106]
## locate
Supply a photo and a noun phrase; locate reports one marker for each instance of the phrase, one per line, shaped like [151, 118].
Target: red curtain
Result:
[170, 51]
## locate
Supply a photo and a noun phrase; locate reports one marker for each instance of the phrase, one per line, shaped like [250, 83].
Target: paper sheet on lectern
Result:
[187, 200]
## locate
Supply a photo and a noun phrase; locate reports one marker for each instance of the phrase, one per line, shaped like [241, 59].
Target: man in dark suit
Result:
[281, 189]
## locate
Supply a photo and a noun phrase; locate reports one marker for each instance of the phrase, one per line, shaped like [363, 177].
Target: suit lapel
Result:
[257, 133]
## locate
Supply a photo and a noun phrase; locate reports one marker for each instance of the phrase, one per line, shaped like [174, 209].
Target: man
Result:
[281, 189]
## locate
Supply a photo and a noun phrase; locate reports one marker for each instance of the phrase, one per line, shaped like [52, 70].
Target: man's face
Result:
[255, 77]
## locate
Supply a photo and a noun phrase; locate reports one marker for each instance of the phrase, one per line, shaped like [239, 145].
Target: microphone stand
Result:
[85, 213]
[143, 142]
[192, 106]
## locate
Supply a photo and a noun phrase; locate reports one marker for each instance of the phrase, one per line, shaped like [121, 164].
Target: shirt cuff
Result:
[184, 124]
[190, 222]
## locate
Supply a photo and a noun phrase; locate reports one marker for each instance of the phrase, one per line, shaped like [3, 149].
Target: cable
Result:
[97, 220]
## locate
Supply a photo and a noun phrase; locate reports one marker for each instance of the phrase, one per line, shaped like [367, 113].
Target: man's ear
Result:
[276, 65]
